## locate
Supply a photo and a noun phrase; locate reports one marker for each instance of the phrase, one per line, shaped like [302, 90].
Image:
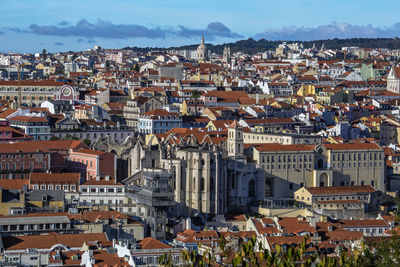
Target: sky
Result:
[32, 25]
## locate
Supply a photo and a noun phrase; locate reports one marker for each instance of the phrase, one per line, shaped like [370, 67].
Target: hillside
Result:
[251, 46]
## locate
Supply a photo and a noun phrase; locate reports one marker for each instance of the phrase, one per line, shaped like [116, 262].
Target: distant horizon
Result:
[207, 43]
[31, 25]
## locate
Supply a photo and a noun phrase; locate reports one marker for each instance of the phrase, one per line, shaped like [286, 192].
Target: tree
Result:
[253, 253]
[87, 142]
[108, 65]
[195, 95]
[54, 138]
[44, 54]
[137, 68]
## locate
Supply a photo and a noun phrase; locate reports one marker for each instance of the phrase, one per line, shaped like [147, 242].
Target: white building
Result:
[159, 121]
[102, 192]
[393, 80]
[37, 127]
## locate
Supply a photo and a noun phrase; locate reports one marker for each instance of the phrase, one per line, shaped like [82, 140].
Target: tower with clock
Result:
[66, 92]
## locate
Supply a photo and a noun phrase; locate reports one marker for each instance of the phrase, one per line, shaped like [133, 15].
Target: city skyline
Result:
[29, 26]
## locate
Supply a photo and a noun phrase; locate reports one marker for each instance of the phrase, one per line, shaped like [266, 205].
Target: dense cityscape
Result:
[126, 157]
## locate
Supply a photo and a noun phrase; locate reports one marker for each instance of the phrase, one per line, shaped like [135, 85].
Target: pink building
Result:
[18, 160]
[9, 134]
[92, 163]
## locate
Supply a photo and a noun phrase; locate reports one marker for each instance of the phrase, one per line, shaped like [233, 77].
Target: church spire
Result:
[202, 39]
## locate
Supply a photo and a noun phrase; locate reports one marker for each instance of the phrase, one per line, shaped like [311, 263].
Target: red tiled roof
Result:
[13, 184]
[295, 226]
[54, 178]
[281, 147]
[32, 83]
[38, 146]
[91, 152]
[47, 241]
[362, 223]
[28, 119]
[332, 190]
[350, 146]
[101, 182]
[151, 243]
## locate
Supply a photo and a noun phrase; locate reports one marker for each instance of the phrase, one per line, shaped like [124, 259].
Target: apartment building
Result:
[92, 163]
[102, 192]
[37, 127]
[33, 92]
[159, 121]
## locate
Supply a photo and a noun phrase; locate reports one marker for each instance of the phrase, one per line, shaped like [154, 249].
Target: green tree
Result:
[44, 54]
[108, 65]
[87, 142]
[195, 94]
[54, 138]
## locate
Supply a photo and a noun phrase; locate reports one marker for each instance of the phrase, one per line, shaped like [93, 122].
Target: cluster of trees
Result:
[385, 252]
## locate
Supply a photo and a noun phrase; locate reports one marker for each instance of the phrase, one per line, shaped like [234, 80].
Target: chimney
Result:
[107, 177]
[98, 178]
[257, 99]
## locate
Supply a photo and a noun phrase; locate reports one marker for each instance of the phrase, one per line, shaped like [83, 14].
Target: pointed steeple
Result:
[202, 39]
[235, 125]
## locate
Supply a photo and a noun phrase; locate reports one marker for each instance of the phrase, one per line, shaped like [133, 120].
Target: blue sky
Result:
[31, 25]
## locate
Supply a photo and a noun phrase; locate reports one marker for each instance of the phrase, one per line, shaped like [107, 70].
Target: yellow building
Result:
[11, 200]
[306, 90]
[45, 199]
[313, 195]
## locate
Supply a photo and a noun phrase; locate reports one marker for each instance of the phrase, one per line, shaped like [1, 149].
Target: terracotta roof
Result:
[362, 223]
[332, 190]
[160, 112]
[37, 146]
[95, 216]
[285, 240]
[32, 83]
[344, 201]
[295, 226]
[91, 152]
[47, 241]
[54, 178]
[281, 147]
[396, 72]
[344, 235]
[101, 182]
[350, 146]
[4, 114]
[229, 218]
[227, 94]
[13, 184]
[151, 243]
[191, 236]
[28, 119]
